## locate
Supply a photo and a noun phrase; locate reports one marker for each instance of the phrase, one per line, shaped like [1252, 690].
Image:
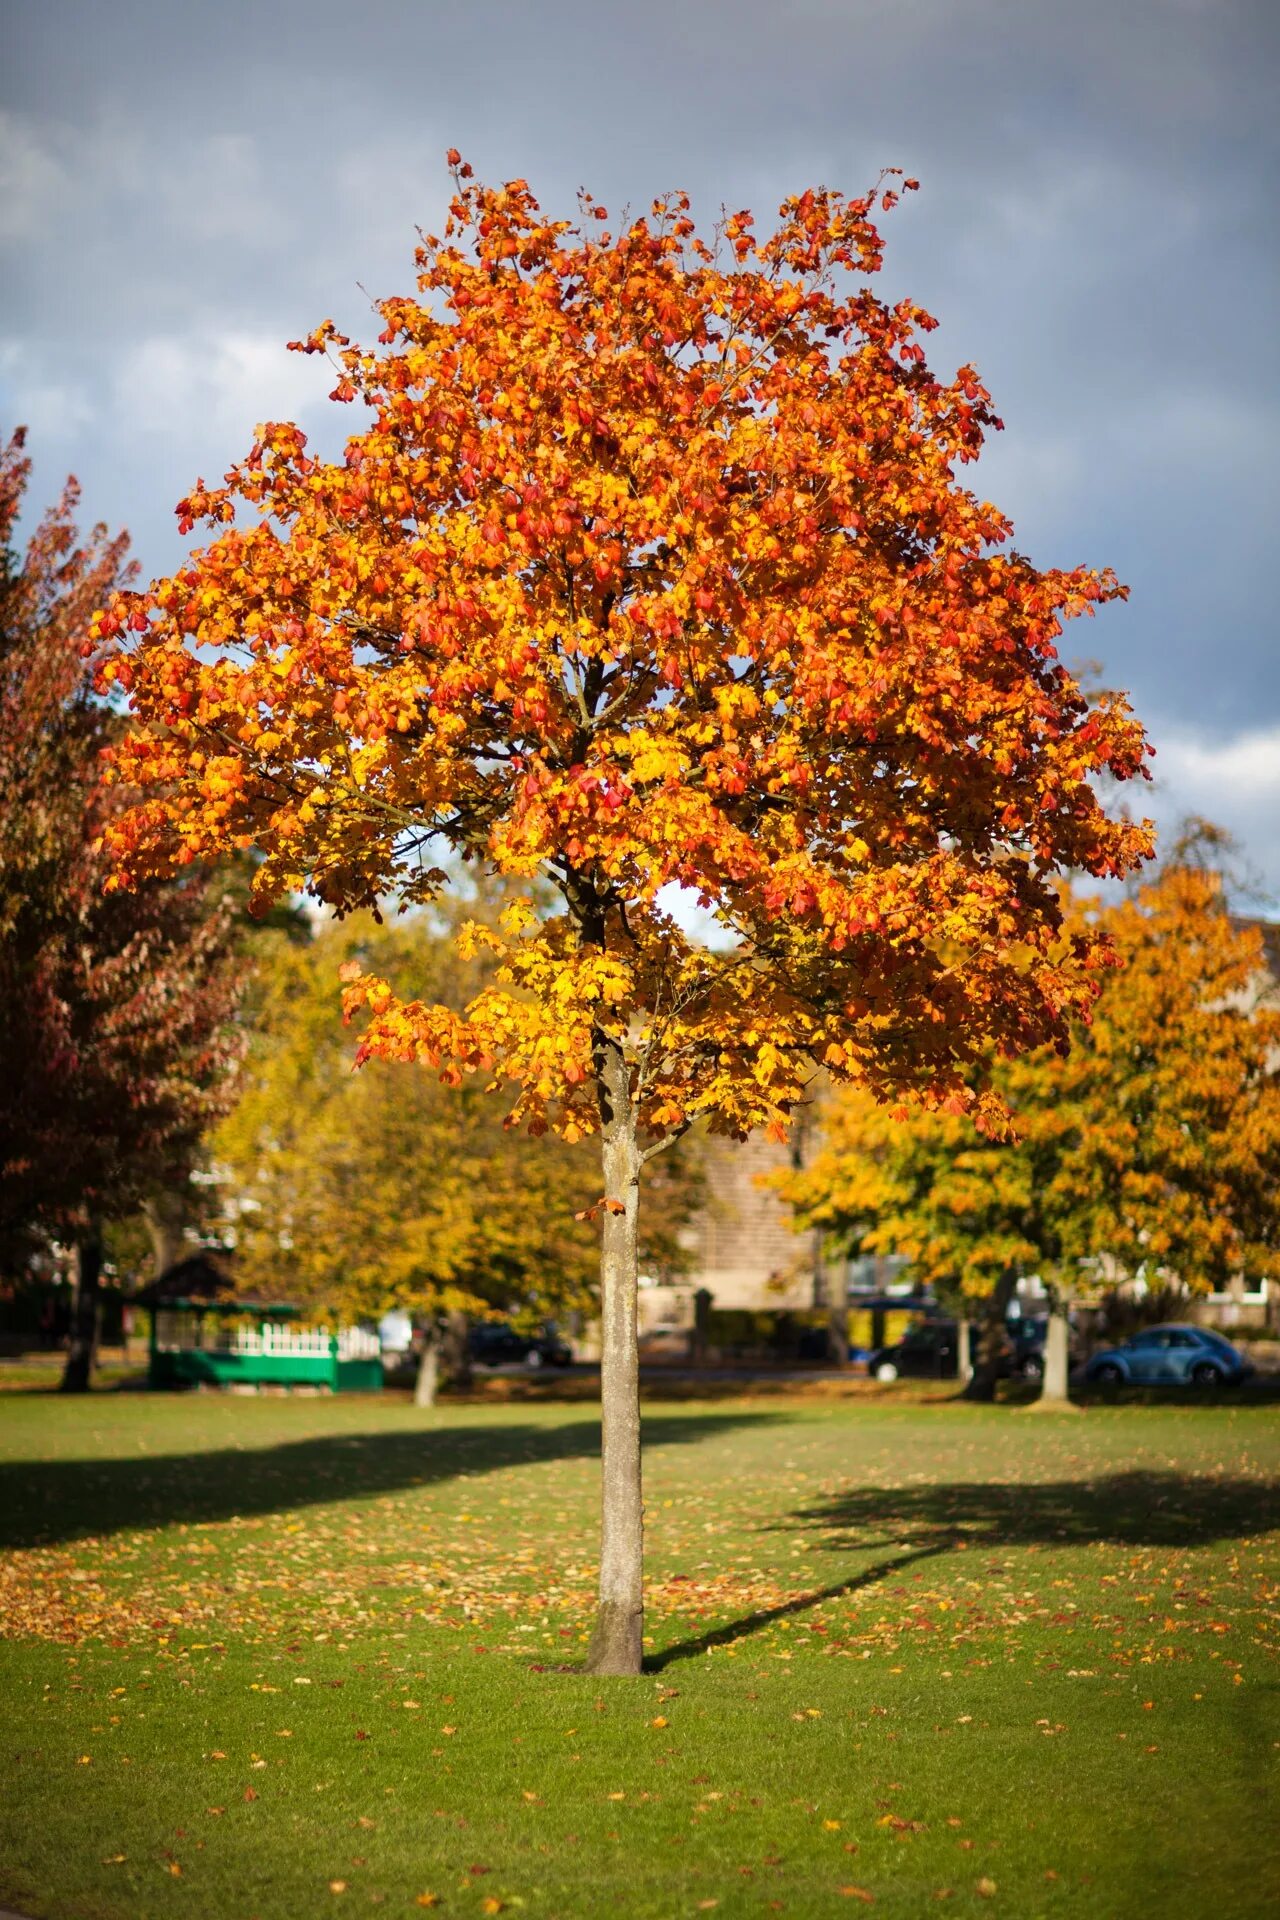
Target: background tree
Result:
[1152, 1146]
[115, 1008]
[356, 1193]
[651, 566]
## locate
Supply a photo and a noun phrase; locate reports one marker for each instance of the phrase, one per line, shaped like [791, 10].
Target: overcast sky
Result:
[185, 187]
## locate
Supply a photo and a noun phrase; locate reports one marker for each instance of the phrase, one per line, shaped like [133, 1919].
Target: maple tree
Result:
[650, 567]
[1152, 1147]
[115, 1008]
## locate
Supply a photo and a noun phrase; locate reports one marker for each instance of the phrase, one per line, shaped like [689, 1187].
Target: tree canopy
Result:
[1151, 1146]
[115, 1008]
[649, 566]
[353, 1193]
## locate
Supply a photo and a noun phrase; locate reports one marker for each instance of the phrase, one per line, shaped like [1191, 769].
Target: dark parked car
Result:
[930, 1351]
[494, 1343]
[1169, 1356]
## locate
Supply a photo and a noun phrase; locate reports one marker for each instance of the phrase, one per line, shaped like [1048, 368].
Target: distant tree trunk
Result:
[454, 1350]
[166, 1217]
[838, 1335]
[702, 1300]
[1057, 1354]
[992, 1340]
[424, 1392]
[84, 1312]
[617, 1643]
[964, 1352]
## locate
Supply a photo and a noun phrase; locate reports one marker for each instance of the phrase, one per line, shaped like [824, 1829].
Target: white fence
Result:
[186, 1331]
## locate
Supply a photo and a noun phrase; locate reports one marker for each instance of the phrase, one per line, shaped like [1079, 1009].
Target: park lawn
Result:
[286, 1657]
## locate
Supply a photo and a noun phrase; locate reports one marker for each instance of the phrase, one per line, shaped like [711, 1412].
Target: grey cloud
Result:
[189, 188]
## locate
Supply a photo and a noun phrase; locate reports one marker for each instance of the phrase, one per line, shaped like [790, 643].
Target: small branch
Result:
[667, 1140]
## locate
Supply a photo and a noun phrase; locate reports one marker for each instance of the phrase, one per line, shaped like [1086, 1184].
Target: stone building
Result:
[739, 1245]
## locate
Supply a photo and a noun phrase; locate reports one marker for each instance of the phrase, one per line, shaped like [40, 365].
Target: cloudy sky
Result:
[184, 188]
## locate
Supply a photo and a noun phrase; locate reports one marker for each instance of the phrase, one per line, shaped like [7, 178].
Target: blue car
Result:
[1171, 1356]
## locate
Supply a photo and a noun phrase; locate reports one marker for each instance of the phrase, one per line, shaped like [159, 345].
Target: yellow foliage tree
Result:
[1152, 1145]
[356, 1192]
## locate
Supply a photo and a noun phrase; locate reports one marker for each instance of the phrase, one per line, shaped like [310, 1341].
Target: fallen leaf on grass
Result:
[249, 1794]
[427, 1900]
[114, 1859]
[985, 1887]
[337, 1886]
[859, 1893]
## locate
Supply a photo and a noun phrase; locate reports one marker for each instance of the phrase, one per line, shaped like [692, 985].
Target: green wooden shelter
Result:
[202, 1334]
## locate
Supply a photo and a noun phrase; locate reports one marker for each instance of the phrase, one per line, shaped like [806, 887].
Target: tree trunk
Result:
[617, 1643]
[166, 1217]
[84, 1312]
[964, 1352]
[454, 1349]
[1057, 1358]
[992, 1339]
[424, 1392]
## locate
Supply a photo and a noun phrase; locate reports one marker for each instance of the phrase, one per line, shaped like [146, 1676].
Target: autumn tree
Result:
[355, 1193]
[114, 1007]
[649, 567]
[1151, 1147]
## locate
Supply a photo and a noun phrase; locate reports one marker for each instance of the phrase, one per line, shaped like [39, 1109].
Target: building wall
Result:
[740, 1244]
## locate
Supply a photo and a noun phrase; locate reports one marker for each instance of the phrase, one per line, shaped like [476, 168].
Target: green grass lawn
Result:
[287, 1657]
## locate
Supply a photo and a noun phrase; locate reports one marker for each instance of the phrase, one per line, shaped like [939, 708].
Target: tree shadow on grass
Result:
[1135, 1509]
[44, 1502]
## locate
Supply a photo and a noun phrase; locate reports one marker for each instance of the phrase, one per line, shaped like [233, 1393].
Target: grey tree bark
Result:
[992, 1338]
[424, 1391]
[84, 1313]
[166, 1218]
[964, 1351]
[1057, 1356]
[455, 1354]
[617, 1645]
